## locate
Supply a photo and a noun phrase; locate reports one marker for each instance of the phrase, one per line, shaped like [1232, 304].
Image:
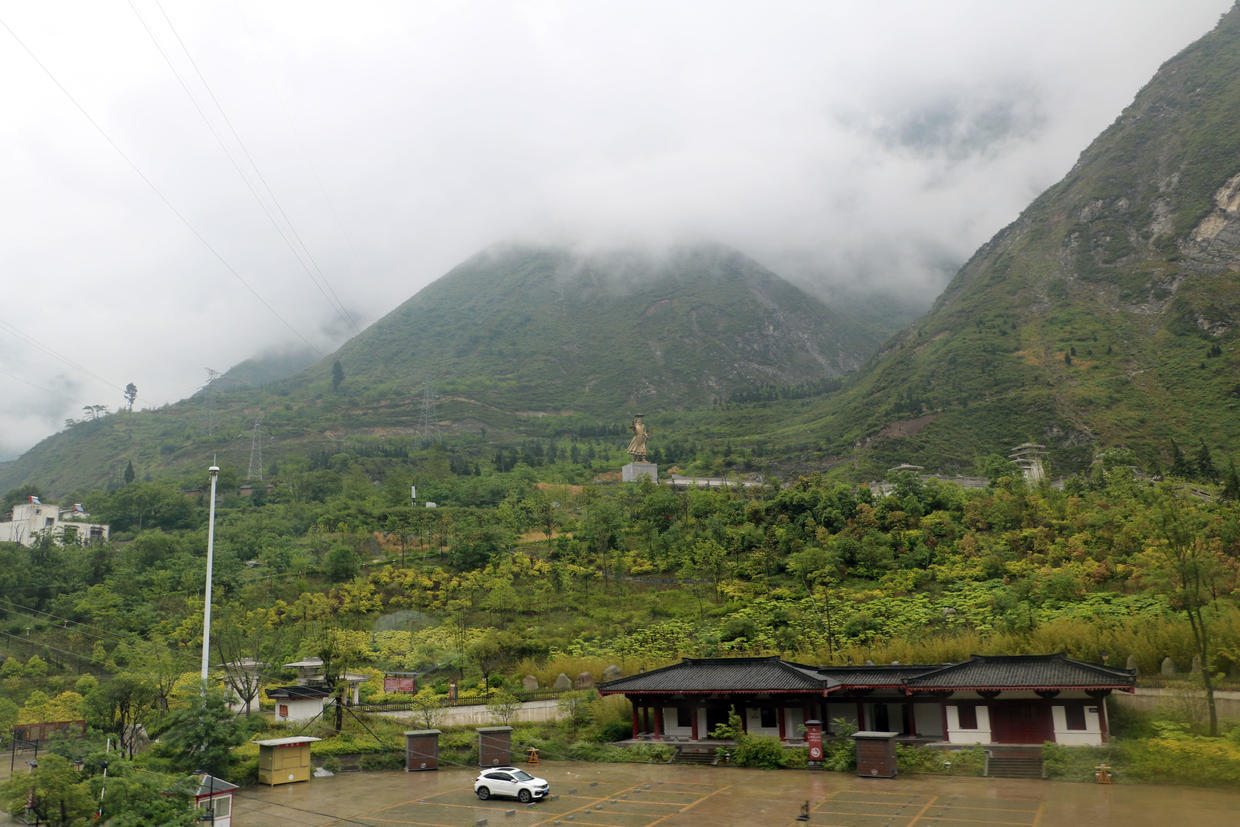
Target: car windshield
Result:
[522, 775]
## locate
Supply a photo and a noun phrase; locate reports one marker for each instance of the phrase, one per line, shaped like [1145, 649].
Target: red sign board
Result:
[813, 739]
[396, 683]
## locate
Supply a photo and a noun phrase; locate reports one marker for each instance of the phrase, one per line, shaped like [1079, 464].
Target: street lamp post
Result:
[214, 472]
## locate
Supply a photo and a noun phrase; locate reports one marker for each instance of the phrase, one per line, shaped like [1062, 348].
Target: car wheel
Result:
[483, 793]
[524, 796]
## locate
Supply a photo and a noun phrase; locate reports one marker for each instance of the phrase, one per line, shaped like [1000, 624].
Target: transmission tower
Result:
[256, 454]
[430, 423]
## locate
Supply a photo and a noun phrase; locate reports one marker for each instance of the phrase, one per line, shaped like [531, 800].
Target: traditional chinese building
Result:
[988, 699]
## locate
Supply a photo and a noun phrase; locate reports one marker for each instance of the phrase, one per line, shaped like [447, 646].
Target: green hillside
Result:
[543, 330]
[517, 343]
[1105, 315]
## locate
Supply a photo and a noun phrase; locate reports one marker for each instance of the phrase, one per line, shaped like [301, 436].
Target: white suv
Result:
[511, 783]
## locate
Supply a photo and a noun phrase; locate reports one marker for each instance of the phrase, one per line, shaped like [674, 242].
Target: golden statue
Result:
[637, 445]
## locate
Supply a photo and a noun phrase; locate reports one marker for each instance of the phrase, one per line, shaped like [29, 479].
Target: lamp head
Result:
[213, 471]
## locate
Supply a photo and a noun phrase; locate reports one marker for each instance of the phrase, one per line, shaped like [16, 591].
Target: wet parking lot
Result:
[636, 795]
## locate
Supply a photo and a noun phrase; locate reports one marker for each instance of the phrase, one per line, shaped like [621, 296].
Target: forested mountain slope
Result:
[1104, 316]
[517, 342]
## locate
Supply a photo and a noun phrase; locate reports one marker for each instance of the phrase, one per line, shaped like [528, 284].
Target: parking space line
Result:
[1037, 819]
[591, 803]
[690, 806]
[917, 817]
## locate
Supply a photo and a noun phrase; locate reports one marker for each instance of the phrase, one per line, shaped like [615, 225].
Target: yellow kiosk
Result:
[284, 760]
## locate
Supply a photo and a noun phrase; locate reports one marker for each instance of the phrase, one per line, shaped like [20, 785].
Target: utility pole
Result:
[256, 453]
[430, 423]
[213, 472]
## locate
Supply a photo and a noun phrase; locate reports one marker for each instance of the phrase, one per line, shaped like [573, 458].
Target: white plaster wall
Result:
[302, 710]
[1089, 737]
[669, 722]
[929, 719]
[753, 723]
[956, 735]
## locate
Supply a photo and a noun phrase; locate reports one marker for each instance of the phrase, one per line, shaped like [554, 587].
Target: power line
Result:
[158, 193]
[33, 612]
[13, 330]
[320, 281]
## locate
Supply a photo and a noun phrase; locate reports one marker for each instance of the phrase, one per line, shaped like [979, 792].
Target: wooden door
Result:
[1021, 722]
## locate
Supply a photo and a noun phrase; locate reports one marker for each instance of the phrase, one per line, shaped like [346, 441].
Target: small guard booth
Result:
[494, 746]
[421, 750]
[214, 797]
[876, 754]
[284, 760]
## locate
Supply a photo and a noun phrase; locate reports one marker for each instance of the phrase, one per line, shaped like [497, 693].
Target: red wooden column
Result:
[860, 715]
[781, 710]
[635, 730]
[693, 722]
[658, 722]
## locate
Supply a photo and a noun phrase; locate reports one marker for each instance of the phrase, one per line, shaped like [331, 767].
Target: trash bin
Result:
[876, 754]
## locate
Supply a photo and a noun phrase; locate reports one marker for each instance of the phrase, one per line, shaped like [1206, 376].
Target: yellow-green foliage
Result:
[40, 709]
[573, 665]
[1207, 762]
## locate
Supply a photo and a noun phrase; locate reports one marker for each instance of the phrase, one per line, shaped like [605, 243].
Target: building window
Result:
[768, 718]
[283, 710]
[684, 716]
[1075, 715]
[967, 716]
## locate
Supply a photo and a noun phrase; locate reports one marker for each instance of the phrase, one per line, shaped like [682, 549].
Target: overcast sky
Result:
[839, 143]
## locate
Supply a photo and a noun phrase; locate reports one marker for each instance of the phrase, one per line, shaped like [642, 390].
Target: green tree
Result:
[129, 472]
[337, 375]
[1182, 564]
[122, 706]
[503, 706]
[200, 735]
[56, 792]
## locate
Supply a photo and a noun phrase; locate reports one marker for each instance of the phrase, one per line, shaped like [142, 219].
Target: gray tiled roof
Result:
[873, 676]
[1023, 672]
[709, 675]
[700, 675]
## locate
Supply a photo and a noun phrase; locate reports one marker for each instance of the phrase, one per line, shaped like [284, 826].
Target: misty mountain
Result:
[1105, 316]
[544, 330]
[508, 344]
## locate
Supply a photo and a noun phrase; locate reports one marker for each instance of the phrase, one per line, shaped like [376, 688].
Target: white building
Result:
[33, 520]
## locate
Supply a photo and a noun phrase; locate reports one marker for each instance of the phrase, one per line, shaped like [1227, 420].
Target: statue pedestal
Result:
[634, 471]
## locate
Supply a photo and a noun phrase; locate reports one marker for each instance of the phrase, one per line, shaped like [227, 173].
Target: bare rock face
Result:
[529, 683]
[612, 672]
[1168, 668]
[585, 680]
[562, 683]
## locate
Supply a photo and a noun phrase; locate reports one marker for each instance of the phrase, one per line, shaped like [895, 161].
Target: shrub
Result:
[1212, 762]
[383, 761]
[760, 751]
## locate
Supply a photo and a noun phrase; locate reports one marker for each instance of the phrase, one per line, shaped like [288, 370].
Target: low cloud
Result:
[847, 147]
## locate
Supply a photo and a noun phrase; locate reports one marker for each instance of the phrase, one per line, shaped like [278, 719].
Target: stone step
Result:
[700, 757]
[1004, 767]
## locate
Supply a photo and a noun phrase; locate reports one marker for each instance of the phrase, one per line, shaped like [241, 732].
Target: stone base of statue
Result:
[634, 471]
